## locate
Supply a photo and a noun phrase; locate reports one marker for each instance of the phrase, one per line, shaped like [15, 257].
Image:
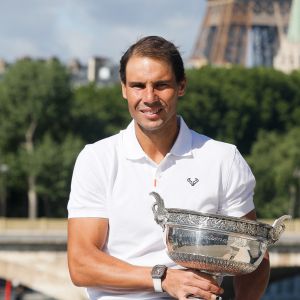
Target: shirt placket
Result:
[159, 172]
[156, 177]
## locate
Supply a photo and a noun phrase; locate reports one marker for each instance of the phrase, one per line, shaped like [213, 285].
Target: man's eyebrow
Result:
[132, 83]
[135, 82]
[163, 81]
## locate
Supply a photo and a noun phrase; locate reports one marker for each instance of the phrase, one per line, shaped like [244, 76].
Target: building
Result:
[288, 57]
[241, 32]
[3, 67]
[100, 71]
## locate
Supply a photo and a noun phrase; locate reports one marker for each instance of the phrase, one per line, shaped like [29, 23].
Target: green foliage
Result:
[274, 159]
[56, 159]
[35, 104]
[99, 112]
[234, 104]
[34, 91]
[44, 123]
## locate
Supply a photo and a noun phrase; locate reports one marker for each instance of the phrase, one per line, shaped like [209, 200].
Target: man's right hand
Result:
[182, 283]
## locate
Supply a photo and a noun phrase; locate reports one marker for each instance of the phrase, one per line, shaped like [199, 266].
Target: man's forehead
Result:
[144, 68]
[136, 57]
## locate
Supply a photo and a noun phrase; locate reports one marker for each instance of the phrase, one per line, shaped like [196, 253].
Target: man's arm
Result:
[90, 267]
[252, 286]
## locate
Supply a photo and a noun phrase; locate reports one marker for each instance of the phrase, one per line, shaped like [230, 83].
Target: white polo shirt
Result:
[113, 177]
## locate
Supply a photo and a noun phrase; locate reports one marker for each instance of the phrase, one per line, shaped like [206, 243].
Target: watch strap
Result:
[157, 285]
[158, 274]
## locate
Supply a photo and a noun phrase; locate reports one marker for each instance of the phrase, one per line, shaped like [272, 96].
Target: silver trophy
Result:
[215, 244]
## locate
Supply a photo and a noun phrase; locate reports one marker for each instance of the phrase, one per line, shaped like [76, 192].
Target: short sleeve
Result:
[88, 187]
[239, 191]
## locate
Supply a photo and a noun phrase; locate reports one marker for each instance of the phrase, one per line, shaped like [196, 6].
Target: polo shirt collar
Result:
[133, 150]
[131, 146]
[183, 143]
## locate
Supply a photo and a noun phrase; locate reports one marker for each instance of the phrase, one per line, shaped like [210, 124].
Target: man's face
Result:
[152, 92]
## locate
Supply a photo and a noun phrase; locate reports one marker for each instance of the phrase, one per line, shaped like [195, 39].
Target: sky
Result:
[82, 29]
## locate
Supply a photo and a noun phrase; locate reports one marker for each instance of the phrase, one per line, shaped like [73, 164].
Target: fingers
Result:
[198, 289]
[208, 283]
[198, 293]
[215, 297]
[212, 297]
[182, 284]
[210, 278]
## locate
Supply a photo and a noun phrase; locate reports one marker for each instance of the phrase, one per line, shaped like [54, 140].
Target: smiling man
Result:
[152, 92]
[115, 248]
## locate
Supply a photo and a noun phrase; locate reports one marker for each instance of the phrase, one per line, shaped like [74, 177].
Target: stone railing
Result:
[41, 224]
[44, 224]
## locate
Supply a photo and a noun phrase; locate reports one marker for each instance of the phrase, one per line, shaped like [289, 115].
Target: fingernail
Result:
[215, 297]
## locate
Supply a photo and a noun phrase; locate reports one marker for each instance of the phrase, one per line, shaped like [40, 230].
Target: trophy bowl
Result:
[216, 244]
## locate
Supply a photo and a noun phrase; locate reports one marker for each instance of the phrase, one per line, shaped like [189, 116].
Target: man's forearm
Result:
[90, 266]
[97, 268]
[252, 286]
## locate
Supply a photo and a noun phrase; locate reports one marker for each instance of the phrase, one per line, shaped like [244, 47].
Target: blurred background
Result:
[59, 90]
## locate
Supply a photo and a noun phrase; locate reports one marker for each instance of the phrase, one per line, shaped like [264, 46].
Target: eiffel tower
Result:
[243, 32]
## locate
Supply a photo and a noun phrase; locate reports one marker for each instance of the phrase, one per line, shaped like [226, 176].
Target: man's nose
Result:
[150, 94]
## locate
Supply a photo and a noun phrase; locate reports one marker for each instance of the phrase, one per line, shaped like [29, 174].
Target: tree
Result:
[219, 104]
[234, 104]
[99, 112]
[35, 101]
[274, 160]
[44, 124]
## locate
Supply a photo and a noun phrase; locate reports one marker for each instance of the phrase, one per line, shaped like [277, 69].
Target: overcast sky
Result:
[85, 28]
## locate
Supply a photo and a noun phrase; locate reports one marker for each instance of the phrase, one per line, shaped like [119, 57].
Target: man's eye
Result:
[161, 86]
[137, 86]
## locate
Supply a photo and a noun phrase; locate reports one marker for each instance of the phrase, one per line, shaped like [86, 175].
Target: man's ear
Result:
[124, 93]
[182, 87]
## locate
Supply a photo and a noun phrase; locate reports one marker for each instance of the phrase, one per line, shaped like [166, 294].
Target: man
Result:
[113, 240]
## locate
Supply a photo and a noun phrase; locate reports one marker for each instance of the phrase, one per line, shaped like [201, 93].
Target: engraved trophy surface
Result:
[215, 244]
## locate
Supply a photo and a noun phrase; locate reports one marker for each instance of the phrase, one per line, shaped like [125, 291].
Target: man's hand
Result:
[183, 283]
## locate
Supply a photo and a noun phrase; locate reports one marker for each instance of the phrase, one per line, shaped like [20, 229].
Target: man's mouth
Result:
[151, 111]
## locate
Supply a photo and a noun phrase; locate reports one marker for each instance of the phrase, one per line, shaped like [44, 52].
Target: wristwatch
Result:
[158, 274]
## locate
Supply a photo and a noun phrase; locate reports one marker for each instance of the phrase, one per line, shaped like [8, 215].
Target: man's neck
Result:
[157, 144]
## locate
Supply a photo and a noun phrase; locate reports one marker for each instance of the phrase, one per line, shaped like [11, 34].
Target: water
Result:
[285, 289]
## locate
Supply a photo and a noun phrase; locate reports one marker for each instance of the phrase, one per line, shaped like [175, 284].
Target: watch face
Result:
[158, 271]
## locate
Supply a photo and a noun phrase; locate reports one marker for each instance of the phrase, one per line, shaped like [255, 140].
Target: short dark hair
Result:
[154, 47]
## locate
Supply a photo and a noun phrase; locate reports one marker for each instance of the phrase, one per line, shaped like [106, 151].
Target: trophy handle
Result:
[278, 229]
[159, 210]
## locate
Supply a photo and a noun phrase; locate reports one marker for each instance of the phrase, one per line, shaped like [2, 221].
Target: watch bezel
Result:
[158, 271]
